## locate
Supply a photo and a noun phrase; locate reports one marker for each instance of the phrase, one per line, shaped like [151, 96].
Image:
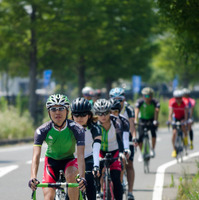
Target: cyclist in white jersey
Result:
[111, 141]
[81, 113]
[128, 112]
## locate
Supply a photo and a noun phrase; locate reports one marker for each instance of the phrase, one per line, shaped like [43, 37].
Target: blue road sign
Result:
[47, 75]
[136, 83]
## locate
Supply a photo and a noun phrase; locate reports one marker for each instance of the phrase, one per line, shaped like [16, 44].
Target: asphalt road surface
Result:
[15, 162]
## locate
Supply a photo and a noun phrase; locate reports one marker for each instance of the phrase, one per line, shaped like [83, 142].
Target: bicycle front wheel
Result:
[146, 154]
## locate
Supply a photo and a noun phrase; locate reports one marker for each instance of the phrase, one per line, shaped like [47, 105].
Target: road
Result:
[15, 170]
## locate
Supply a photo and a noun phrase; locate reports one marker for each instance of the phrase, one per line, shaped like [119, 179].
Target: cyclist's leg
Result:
[90, 188]
[154, 136]
[71, 170]
[49, 177]
[184, 130]
[174, 133]
[115, 169]
[130, 170]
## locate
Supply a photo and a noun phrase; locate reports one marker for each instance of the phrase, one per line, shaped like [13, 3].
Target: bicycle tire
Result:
[179, 147]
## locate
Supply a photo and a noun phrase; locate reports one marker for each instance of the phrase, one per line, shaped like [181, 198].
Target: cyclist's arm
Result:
[132, 127]
[156, 113]
[80, 160]
[186, 113]
[96, 150]
[170, 114]
[35, 161]
[137, 110]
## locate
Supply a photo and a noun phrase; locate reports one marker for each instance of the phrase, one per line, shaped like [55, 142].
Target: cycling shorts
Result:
[177, 120]
[152, 128]
[115, 165]
[52, 168]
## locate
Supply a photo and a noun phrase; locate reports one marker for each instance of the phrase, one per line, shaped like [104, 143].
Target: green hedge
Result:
[13, 123]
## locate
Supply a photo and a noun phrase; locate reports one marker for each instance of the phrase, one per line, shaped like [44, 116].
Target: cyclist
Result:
[147, 109]
[81, 113]
[111, 141]
[88, 94]
[62, 136]
[128, 112]
[178, 112]
[191, 104]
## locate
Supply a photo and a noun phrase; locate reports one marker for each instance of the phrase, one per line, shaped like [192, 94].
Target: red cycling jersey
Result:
[189, 101]
[178, 109]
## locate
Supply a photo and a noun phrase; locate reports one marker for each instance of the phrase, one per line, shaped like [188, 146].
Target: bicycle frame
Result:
[57, 185]
[179, 141]
[108, 184]
[146, 147]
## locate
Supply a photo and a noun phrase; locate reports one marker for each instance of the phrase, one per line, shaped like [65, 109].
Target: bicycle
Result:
[146, 146]
[179, 144]
[61, 188]
[107, 182]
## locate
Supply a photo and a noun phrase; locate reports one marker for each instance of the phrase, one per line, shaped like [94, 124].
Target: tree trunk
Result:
[33, 68]
[108, 87]
[81, 74]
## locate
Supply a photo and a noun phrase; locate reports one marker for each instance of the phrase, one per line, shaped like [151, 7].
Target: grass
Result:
[189, 187]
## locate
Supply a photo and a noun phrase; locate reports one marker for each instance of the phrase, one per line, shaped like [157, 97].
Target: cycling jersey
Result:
[189, 102]
[127, 111]
[112, 138]
[61, 144]
[92, 131]
[178, 110]
[147, 111]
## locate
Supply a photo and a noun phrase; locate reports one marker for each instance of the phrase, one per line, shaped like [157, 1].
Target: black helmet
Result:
[80, 105]
[115, 104]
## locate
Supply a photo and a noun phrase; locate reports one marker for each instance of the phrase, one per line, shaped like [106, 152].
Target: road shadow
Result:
[6, 161]
[142, 190]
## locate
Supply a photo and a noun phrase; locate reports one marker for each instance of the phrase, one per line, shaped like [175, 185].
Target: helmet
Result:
[177, 93]
[80, 105]
[115, 104]
[88, 91]
[116, 92]
[102, 105]
[186, 91]
[57, 99]
[147, 91]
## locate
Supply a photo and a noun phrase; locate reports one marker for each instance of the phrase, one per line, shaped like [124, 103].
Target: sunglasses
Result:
[54, 109]
[147, 96]
[103, 113]
[79, 114]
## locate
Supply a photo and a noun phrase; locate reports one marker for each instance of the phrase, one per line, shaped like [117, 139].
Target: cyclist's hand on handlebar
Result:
[82, 183]
[127, 153]
[155, 123]
[96, 172]
[33, 183]
[135, 142]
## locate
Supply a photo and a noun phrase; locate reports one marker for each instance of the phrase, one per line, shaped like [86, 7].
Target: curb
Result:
[15, 141]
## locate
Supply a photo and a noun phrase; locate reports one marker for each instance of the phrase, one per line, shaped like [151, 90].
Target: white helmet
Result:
[177, 93]
[88, 91]
[186, 91]
[102, 105]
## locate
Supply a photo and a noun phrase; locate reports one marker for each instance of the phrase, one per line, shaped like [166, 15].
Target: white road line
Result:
[5, 170]
[30, 161]
[159, 180]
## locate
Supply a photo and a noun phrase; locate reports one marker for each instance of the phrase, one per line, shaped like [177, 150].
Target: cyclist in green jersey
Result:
[62, 136]
[147, 110]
